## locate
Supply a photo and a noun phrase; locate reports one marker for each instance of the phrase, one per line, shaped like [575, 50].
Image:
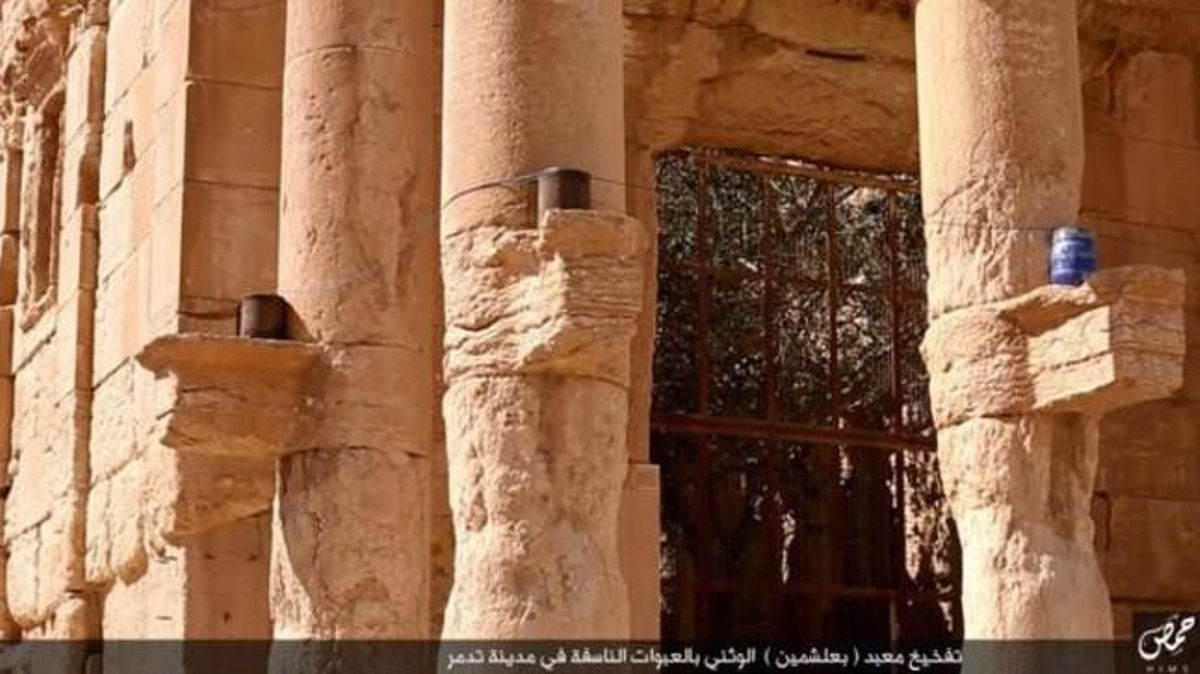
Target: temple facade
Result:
[589, 319]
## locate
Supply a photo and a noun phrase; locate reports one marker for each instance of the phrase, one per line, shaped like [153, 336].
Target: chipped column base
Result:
[1020, 489]
[344, 519]
[537, 465]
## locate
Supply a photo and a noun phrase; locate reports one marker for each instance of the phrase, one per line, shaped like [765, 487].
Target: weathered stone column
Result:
[1001, 117]
[1021, 374]
[357, 260]
[1018, 387]
[540, 311]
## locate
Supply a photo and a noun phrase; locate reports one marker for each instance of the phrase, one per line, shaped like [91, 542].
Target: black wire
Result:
[516, 182]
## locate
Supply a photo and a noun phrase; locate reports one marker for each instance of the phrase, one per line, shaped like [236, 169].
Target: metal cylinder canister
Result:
[563, 188]
[1072, 256]
[262, 317]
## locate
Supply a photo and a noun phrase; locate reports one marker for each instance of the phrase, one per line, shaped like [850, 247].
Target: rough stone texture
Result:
[234, 397]
[356, 551]
[1113, 342]
[170, 143]
[861, 112]
[185, 234]
[1020, 491]
[1017, 397]
[536, 469]
[828, 80]
[563, 303]
[537, 312]
[204, 493]
[1005, 163]
[1143, 159]
[210, 587]
[54, 218]
[543, 116]
[1018, 387]
[350, 554]
[536, 412]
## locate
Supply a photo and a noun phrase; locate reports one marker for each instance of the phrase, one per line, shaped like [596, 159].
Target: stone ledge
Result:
[233, 396]
[1115, 341]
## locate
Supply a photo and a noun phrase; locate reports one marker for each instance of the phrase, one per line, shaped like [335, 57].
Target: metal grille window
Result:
[791, 417]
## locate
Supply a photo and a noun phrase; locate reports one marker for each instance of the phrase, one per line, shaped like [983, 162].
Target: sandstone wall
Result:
[1142, 112]
[52, 134]
[189, 183]
[167, 205]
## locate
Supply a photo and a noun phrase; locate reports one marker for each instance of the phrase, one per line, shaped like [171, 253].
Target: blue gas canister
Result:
[1072, 256]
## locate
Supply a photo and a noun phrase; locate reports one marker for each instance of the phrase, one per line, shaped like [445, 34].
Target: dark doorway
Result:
[791, 420]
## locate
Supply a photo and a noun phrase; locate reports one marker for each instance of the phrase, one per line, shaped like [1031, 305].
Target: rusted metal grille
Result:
[791, 417]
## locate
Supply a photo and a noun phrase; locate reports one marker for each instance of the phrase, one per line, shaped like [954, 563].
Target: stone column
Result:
[1001, 118]
[357, 258]
[1001, 150]
[540, 311]
[1020, 374]
[1018, 387]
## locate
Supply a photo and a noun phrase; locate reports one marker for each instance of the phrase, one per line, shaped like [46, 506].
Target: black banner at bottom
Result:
[1153, 654]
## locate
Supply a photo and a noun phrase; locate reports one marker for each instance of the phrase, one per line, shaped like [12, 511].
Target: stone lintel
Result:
[235, 397]
[560, 299]
[1115, 341]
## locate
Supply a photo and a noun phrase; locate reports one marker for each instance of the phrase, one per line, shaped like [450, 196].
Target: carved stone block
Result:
[562, 298]
[1115, 341]
[237, 397]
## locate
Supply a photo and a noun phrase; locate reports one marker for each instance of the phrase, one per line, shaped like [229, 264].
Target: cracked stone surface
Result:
[1020, 374]
[540, 312]
[536, 411]
[1018, 389]
[170, 203]
[357, 265]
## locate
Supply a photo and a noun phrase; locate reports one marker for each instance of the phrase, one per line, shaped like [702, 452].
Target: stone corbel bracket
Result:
[1115, 341]
[236, 397]
[562, 298]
